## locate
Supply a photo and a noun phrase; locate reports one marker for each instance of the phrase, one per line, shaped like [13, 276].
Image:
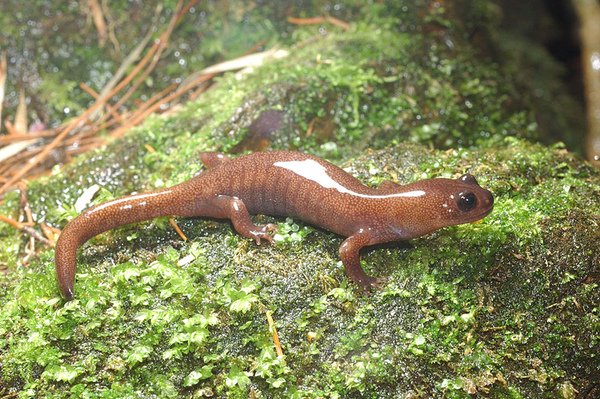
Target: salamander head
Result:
[468, 202]
[448, 202]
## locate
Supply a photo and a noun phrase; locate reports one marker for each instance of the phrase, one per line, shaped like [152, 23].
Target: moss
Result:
[502, 309]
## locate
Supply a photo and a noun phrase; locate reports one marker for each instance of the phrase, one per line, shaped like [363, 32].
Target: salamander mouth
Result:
[479, 218]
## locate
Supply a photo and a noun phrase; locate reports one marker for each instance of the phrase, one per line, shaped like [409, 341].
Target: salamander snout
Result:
[488, 199]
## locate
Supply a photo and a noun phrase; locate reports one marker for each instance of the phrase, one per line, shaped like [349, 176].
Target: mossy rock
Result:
[507, 308]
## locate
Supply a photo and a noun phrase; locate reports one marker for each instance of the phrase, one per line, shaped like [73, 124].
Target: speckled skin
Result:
[285, 183]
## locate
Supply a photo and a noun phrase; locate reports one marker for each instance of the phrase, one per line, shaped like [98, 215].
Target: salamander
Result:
[288, 183]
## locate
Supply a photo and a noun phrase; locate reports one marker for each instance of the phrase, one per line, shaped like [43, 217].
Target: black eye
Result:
[468, 178]
[466, 201]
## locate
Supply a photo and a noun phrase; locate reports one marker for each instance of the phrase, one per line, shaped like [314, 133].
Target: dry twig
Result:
[274, 334]
[98, 18]
[319, 20]
[81, 133]
[25, 229]
[78, 123]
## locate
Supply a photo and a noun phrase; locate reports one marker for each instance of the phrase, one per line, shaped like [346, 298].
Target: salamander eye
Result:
[468, 178]
[466, 201]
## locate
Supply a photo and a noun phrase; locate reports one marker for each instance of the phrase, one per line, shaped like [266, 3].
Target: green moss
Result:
[456, 315]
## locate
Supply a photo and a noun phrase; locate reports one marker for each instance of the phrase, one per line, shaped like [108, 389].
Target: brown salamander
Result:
[285, 183]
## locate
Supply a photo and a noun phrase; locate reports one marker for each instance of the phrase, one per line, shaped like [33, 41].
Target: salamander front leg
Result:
[350, 254]
[233, 208]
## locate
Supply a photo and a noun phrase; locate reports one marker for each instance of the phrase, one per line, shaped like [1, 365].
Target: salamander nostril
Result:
[490, 198]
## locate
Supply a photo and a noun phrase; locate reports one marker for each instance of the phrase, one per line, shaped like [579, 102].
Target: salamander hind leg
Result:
[233, 208]
[212, 159]
[350, 254]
